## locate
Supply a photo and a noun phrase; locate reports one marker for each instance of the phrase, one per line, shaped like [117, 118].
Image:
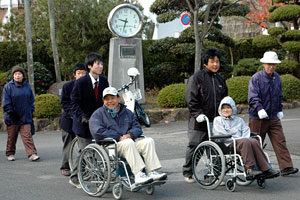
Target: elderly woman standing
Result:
[18, 108]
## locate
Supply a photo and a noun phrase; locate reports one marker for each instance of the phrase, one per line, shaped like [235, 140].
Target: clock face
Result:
[125, 20]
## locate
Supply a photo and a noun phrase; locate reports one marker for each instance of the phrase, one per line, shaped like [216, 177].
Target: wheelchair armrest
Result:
[253, 134]
[106, 141]
[220, 137]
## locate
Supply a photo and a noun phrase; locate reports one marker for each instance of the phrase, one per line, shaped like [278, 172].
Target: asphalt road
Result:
[25, 180]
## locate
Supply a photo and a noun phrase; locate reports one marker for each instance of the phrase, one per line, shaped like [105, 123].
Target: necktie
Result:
[96, 90]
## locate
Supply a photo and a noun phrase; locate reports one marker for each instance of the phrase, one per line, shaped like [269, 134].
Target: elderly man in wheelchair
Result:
[114, 122]
[231, 150]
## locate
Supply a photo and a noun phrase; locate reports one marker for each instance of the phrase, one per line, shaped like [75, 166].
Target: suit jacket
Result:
[66, 118]
[83, 101]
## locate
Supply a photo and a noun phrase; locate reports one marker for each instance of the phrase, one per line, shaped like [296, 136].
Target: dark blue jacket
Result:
[83, 101]
[102, 125]
[17, 103]
[264, 92]
[66, 118]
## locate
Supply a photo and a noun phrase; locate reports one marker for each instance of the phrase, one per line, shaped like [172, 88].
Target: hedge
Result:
[172, 96]
[47, 106]
[238, 88]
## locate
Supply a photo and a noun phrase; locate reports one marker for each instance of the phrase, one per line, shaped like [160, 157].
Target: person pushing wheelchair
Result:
[114, 120]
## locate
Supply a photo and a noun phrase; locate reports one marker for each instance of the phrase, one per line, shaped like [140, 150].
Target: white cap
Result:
[110, 90]
[270, 57]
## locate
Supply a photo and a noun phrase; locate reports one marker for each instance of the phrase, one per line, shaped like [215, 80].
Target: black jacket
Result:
[66, 118]
[83, 101]
[204, 92]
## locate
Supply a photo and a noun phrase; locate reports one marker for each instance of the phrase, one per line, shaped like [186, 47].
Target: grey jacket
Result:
[232, 125]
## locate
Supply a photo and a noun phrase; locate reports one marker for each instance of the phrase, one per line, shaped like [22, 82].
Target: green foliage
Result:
[47, 106]
[292, 46]
[3, 76]
[14, 52]
[246, 67]
[43, 78]
[287, 67]
[291, 35]
[272, 8]
[290, 87]
[265, 41]
[172, 96]
[276, 31]
[238, 88]
[236, 10]
[285, 13]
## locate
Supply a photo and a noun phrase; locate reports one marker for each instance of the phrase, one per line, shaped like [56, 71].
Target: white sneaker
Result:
[11, 158]
[142, 178]
[157, 175]
[34, 157]
[189, 179]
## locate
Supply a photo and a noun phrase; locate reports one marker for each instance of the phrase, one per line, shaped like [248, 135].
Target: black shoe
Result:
[270, 173]
[288, 171]
[252, 174]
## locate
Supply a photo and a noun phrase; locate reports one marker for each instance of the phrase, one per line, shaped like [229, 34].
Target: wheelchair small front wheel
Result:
[117, 191]
[230, 185]
[261, 183]
[150, 189]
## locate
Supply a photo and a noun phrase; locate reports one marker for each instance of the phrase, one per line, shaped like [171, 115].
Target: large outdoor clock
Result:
[125, 20]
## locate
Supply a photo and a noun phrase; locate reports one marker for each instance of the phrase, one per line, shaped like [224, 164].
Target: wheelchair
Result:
[99, 168]
[212, 161]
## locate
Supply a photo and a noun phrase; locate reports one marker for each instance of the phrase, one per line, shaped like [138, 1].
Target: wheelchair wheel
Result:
[94, 172]
[73, 153]
[208, 165]
[117, 191]
[261, 183]
[230, 185]
[150, 189]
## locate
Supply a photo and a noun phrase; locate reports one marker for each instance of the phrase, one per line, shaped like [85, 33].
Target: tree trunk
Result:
[29, 45]
[53, 40]
[197, 43]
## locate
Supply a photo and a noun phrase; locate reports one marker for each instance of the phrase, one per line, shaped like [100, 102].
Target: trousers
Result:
[67, 140]
[252, 154]
[133, 150]
[275, 132]
[13, 131]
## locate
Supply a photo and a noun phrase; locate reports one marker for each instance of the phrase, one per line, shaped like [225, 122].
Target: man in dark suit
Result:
[86, 97]
[67, 119]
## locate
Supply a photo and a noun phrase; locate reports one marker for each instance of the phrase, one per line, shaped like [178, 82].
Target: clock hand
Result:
[122, 20]
[125, 24]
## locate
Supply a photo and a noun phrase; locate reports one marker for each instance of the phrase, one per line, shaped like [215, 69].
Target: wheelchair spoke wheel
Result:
[73, 153]
[94, 170]
[208, 165]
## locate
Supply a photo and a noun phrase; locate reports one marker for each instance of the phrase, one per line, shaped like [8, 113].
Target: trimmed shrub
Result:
[287, 67]
[3, 77]
[246, 67]
[47, 106]
[276, 31]
[238, 88]
[172, 96]
[292, 46]
[290, 87]
[43, 78]
[265, 41]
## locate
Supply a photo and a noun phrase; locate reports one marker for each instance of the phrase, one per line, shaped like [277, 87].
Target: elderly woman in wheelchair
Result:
[116, 128]
[230, 146]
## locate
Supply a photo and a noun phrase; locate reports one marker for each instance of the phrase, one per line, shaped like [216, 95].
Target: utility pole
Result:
[29, 44]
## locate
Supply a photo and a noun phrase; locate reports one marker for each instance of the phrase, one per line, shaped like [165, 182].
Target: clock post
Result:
[125, 51]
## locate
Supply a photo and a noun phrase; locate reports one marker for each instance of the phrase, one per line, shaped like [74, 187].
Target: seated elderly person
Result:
[249, 148]
[114, 120]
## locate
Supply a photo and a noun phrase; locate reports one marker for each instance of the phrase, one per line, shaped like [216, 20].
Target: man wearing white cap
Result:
[265, 110]
[114, 120]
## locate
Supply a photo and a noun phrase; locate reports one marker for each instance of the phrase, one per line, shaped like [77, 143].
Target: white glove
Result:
[200, 118]
[262, 114]
[280, 115]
